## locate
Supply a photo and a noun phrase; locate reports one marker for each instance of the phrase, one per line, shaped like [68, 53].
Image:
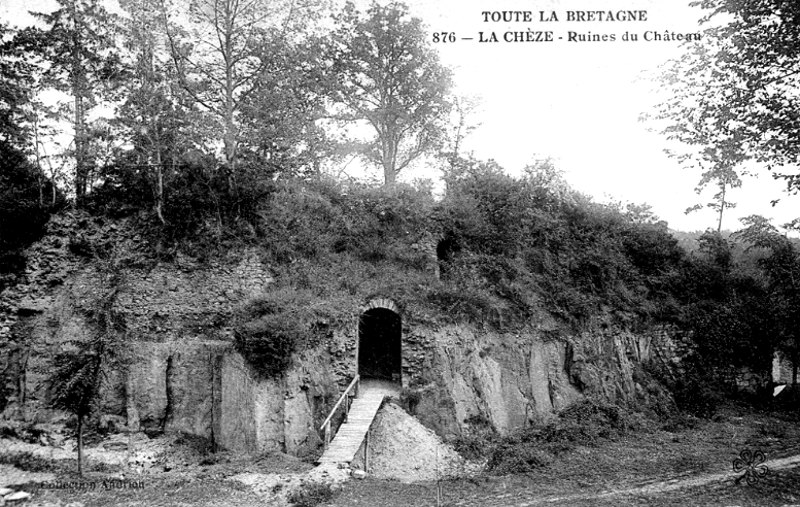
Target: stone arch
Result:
[380, 341]
[384, 303]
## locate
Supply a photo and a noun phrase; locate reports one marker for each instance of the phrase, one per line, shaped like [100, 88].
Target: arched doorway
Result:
[446, 250]
[380, 345]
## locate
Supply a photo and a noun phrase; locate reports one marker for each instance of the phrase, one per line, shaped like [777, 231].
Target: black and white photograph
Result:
[391, 253]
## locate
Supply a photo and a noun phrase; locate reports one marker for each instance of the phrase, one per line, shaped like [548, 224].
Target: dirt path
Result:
[527, 498]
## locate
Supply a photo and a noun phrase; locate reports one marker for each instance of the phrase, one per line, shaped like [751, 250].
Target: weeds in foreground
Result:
[585, 423]
[311, 494]
[27, 461]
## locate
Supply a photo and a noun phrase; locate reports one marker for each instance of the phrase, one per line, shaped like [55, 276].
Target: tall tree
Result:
[217, 55]
[23, 209]
[151, 114]
[735, 93]
[78, 48]
[390, 77]
[15, 72]
[282, 117]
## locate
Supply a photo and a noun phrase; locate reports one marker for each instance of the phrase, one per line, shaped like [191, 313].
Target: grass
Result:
[645, 456]
[311, 494]
[155, 492]
[614, 470]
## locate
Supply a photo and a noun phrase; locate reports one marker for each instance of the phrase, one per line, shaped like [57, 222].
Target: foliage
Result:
[23, 186]
[584, 423]
[695, 395]
[388, 75]
[15, 73]
[22, 214]
[28, 461]
[75, 55]
[74, 383]
[222, 52]
[734, 92]
[268, 344]
[310, 494]
[77, 371]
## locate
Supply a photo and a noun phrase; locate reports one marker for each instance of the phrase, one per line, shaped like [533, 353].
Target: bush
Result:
[22, 216]
[26, 432]
[268, 343]
[310, 494]
[697, 398]
[513, 459]
[27, 461]
[583, 423]
[478, 441]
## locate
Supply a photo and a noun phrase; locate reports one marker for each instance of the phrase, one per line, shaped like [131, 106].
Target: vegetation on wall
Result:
[205, 165]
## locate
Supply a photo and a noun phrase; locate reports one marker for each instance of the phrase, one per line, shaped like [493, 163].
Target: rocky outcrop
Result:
[511, 380]
[175, 369]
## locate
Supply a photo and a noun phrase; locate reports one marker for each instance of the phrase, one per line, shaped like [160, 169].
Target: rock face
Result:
[464, 378]
[175, 368]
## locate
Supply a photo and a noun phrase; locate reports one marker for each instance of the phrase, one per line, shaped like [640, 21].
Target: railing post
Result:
[343, 399]
[366, 453]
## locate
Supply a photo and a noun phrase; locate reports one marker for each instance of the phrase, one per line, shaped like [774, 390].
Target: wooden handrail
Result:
[352, 387]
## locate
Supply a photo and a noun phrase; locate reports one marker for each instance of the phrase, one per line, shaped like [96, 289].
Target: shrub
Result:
[26, 461]
[697, 397]
[583, 423]
[268, 343]
[26, 432]
[478, 441]
[513, 459]
[22, 215]
[310, 494]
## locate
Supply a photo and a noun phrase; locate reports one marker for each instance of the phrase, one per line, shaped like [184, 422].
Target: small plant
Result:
[410, 399]
[74, 384]
[696, 398]
[26, 461]
[311, 494]
[26, 432]
[513, 459]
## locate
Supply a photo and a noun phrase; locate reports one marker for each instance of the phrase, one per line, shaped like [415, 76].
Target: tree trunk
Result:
[78, 90]
[80, 445]
[230, 126]
[39, 173]
[159, 186]
[389, 172]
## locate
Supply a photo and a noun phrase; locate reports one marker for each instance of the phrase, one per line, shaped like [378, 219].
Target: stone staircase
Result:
[351, 434]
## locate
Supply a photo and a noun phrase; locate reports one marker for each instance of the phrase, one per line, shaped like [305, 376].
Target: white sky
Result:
[578, 103]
